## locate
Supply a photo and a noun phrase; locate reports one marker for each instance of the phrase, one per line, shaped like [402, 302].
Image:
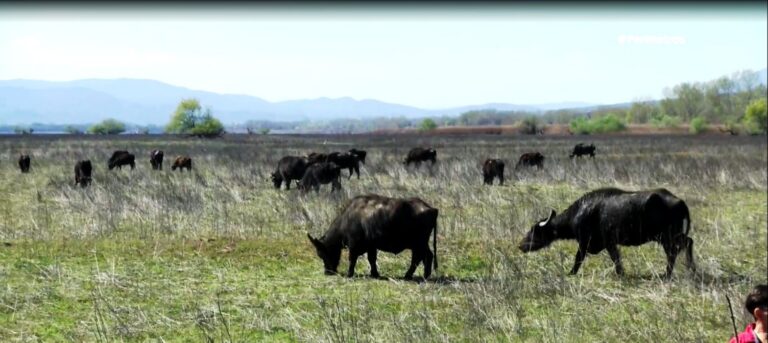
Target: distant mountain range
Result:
[152, 102]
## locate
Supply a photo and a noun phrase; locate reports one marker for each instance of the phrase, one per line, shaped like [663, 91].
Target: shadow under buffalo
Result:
[440, 280]
[698, 276]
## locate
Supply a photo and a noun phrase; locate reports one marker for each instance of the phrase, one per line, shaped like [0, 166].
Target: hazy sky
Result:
[427, 57]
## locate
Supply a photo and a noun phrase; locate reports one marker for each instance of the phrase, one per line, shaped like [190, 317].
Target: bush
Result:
[189, 118]
[107, 127]
[756, 117]
[698, 125]
[665, 121]
[606, 124]
[427, 125]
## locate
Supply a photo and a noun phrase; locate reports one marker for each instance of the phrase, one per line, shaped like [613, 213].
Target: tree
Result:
[530, 126]
[107, 127]
[72, 130]
[189, 118]
[755, 117]
[427, 125]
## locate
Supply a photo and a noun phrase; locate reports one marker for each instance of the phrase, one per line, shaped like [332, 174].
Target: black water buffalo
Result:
[182, 162]
[289, 168]
[418, 155]
[24, 163]
[609, 217]
[581, 150]
[372, 222]
[493, 168]
[360, 154]
[347, 161]
[320, 174]
[121, 158]
[156, 159]
[315, 157]
[530, 159]
[83, 173]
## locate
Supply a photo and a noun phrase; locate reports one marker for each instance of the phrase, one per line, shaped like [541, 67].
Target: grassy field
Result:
[219, 255]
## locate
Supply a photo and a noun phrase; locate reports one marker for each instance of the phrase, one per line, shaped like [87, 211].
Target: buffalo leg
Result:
[357, 171]
[501, 179]
[671, 251]
[352, 261]
[580, 254]
[372, 261]
[428, 256]
[416, 257]
[689, 253]
[613, 251]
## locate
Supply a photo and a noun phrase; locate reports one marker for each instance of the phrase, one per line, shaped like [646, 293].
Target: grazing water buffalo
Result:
[372, 222]
[182, 162]
[360, 154]
[493, 168]
[530, 159]
[320, 174]
[609, 217]
[24, 163]
[83, 173]
[156, 159]
[289, 168]
[121, 158]
[347, 160]
[581, 149]
[418, 155]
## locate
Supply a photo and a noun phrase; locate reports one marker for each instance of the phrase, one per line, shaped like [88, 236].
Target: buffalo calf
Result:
[530, 159]
[493, 168]
[370, 223]
[121, 158]
[581, 149]
[289, 168]
[320, 174]
[156, 159]
[418, 155]
[83, 173]
[24, 162]
[182, 162]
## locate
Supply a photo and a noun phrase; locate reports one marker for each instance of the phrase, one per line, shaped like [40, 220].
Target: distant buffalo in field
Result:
[418, 155]
[83, 173]
[320, 174]
[493, 168]
[346, 160]
[24, 162]
[182, 162]
[289, 168]
[121, 158]
[372, 222]
[609, 217]
[156, 159]
[360, 154]
[581, 150]
[530, 159]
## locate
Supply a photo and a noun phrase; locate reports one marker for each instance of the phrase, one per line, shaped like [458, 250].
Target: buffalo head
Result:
[541, 235]
[329, 255]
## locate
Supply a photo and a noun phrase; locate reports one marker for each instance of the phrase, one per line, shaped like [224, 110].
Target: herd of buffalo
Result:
[603, 219]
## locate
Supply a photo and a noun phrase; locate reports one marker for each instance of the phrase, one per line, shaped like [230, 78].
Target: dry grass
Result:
[219, 255]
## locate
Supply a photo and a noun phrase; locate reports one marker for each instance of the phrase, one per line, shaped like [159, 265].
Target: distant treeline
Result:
[721, 101]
